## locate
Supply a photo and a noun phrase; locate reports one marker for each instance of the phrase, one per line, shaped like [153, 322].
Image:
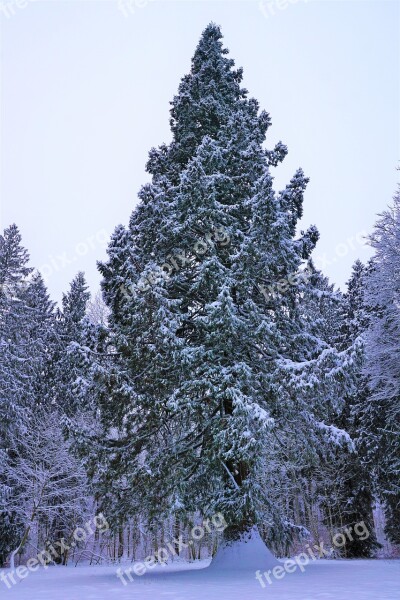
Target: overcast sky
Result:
[85, 94]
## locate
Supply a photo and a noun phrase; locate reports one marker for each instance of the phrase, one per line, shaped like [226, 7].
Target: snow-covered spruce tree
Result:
[310, 465]
[13, 273]
[346, 488]
[301, 466]
[209, 368]
[27, 333]
[381, 423]
[70, 328]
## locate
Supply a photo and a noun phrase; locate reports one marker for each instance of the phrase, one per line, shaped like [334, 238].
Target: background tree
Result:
[49, 484]
[381, 415]
[347, 485]
[70, 328]
[13, 369]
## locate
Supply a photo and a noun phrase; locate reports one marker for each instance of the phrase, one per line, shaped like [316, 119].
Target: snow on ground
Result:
[321, 580]
[249, 554]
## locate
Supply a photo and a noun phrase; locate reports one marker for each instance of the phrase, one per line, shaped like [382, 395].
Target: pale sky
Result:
[85, 91]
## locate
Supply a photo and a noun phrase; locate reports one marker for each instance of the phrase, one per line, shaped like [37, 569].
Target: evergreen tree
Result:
[13, 272]
[71, 332]
[207, 369]
[26, 336]
[347, 488]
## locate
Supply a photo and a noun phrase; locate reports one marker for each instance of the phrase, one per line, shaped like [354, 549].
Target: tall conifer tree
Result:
[208, 369]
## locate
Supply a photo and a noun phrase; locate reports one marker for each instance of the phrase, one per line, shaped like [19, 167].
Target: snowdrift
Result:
[248, 554]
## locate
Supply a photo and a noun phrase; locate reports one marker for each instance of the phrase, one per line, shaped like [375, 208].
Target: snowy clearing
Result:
[325, 579]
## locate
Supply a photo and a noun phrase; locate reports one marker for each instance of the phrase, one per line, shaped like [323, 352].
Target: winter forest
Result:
[219, 399]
